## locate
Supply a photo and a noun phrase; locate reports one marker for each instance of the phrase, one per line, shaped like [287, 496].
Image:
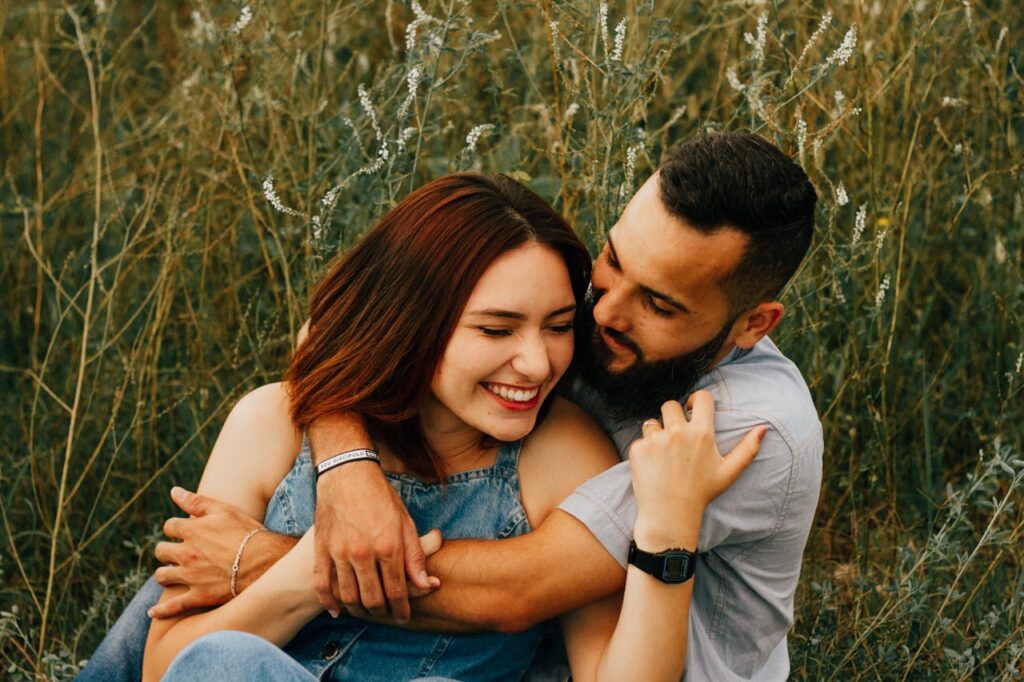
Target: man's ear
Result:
[756, 323]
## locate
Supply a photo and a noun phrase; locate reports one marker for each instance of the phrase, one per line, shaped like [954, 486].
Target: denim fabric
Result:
[483, 503]
[118, 658]
[752, 536]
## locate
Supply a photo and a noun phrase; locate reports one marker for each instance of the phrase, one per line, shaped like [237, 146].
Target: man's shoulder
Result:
[764, 385]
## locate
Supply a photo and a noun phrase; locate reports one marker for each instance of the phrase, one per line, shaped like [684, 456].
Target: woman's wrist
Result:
[655, 533]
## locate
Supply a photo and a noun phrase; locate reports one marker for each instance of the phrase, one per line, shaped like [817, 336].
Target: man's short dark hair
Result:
[741, 181]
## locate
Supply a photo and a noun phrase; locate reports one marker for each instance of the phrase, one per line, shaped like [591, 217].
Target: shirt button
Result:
[330, 650]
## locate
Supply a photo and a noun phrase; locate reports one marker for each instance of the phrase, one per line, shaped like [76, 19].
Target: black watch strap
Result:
[671, 566]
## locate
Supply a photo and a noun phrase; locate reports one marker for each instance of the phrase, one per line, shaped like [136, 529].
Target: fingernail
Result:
[423, 576]
[401, 621]
[150, 613]
[763, 433]
[177, 493]
[334, 613]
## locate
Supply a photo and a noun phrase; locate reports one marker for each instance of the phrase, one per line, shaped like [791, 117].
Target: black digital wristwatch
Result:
[671, 566]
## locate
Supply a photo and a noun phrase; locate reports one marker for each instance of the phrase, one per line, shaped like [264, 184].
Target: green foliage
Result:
[149, 281]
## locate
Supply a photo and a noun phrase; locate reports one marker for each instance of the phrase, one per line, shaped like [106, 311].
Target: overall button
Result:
[330, 650]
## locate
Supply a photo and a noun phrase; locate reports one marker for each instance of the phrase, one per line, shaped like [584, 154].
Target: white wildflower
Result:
[841, 197]
[412, 79]
[404, 137]
[620, 40]
[968, 14]
[826, 21]
[474, 136]
[554, 40]
[859, 224]
[958, 149]
[838, 289]
[734, 80]
[1020, 362]
[602, 14]
[840, 99]
[101, 6]
[758, 42]
[421, 18]
[952, 102]
[920, 6]
[880, 237]
[364, 101]
[1001, 254]
[627, 183]
[845, 49]
[189, 83]
[244, 17]
[801, 138]
[883, 288]
[570, 111]
[271, 194]
[202, 29]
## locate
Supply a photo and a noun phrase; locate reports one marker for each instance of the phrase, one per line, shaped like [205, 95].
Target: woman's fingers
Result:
[672, 415]
[702, 409]
[739, 458]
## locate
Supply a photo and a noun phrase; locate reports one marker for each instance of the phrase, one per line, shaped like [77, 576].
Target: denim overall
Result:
[482, 503]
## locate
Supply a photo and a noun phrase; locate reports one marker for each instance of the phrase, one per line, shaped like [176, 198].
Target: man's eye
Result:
[495, 331]
[658, 310]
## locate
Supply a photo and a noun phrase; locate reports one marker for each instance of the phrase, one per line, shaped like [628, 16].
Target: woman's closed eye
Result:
[495, 331]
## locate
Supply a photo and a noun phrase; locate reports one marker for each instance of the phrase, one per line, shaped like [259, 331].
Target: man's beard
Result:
[638, 391]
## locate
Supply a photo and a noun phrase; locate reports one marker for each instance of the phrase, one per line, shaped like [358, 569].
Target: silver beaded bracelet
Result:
[346, 458]
[238, 557]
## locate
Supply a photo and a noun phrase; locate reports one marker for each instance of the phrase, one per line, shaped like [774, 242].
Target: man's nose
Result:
[611, 310]
[531, 360]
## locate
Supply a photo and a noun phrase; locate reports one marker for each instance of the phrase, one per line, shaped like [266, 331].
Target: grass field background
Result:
[176, 175]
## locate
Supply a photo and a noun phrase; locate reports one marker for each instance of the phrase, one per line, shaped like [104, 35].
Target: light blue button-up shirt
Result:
[752, 536]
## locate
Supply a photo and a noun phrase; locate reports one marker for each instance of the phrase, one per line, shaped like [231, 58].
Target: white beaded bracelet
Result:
[238, 557]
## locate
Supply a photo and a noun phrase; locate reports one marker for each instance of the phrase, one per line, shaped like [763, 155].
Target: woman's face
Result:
[510, 347]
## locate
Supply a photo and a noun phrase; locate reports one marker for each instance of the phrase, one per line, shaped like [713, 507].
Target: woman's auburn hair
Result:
[382, 316]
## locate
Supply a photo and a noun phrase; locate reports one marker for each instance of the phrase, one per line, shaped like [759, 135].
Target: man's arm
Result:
[509, 585]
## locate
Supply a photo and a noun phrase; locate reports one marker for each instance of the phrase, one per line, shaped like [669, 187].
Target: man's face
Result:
[659, 311]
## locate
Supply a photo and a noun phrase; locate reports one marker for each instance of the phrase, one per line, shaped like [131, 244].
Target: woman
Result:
[448, 326]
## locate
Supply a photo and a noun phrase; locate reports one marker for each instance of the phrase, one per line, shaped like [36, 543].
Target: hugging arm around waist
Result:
[512, 584]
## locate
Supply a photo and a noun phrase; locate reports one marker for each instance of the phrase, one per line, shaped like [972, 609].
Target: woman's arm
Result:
[275, 607]
[255, 450]
[677, 471]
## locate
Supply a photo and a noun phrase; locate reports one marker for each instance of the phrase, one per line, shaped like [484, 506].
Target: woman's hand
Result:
[677, 469]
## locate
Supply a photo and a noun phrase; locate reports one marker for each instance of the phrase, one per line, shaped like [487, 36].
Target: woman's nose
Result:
[532, 361]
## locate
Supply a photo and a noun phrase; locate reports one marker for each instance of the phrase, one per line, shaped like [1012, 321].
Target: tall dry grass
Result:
[149, 280]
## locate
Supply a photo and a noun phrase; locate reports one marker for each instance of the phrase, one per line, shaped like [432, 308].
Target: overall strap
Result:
[508, 455]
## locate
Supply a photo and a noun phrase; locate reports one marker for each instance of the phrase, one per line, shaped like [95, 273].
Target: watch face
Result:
[675, 567]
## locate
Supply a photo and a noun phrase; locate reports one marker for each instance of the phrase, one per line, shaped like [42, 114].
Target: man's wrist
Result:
[262, 552]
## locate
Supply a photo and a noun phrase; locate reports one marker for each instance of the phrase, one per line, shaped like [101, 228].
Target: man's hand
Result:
[366, 545]
[203, 559]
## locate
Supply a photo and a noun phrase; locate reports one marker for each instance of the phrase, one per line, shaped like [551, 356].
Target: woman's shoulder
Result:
[566, 449]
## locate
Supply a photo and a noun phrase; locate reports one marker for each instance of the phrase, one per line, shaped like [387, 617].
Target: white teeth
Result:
[514, 394]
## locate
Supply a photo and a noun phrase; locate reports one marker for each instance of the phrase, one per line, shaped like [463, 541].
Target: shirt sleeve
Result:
[607, 507]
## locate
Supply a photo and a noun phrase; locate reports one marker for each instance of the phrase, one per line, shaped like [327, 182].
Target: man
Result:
[683, 297]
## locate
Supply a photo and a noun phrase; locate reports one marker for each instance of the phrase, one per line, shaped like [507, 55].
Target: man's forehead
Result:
[661, 250]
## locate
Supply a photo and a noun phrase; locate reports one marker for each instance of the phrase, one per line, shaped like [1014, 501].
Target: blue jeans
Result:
[119, 656]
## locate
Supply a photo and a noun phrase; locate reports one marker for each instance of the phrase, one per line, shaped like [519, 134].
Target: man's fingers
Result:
[323, 583]
[172, 608]
[348, 591]
[415, 559]
[392, 572]
[370, 592]
[702, 409]
[740, 457]
[168, 552]
[170, 575]
[174, 527]
[191, 503]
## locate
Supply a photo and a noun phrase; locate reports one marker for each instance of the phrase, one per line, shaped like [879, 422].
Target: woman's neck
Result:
[456, 443]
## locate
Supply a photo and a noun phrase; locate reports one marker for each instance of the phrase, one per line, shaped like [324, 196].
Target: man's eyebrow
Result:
[646, 289]
[513, 315]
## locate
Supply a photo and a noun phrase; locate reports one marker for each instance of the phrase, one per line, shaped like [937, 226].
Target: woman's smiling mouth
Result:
[514, 397]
